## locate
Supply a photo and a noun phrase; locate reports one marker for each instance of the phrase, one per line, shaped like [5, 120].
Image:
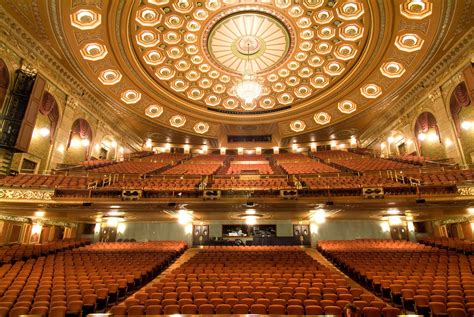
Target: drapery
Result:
[49, 108]
[459, 98]
[81, 128]
[424, 122]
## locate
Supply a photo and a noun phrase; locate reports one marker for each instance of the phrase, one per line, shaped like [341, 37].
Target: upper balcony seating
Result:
[96, 163]
[81, 281]
[130, 167]
[417, 277]
[412, 159]
[291, 158]
[351, 182]
[255, 157]
[159, 184]
[244, 184]
[47, 181]
[308, 167]
[241, 280]
[198, 165]
[337, 154]
[206, 158]
[192, 169]
[371, 164]
[169, 158]
[262, 169]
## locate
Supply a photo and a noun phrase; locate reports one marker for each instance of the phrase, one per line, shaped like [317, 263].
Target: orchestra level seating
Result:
[81, 281]
[415, 277]
[249, 280]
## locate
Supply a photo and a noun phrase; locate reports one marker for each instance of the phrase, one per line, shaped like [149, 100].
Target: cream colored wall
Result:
[434, 100]
[331, 230]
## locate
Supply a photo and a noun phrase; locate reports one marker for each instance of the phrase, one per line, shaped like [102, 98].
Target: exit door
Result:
[302, 234]
[200, 235]
[399, 233]
[108, 234]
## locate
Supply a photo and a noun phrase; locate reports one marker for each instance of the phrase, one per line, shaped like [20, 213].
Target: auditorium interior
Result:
[235, 157]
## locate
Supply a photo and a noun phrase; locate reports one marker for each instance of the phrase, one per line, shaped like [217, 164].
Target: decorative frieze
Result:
[29, 194]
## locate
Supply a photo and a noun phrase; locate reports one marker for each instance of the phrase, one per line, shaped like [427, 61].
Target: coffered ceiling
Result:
[175, 64]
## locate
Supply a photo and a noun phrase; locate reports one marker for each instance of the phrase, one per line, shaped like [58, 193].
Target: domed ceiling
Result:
[177, 63]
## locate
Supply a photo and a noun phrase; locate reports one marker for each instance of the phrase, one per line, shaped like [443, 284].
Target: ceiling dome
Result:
[319, 62]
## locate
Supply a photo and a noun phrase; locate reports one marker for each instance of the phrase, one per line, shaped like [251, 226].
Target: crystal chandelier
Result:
[248, 89]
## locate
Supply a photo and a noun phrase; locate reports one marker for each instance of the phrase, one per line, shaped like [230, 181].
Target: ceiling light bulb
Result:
[421, 136]
[251, 220]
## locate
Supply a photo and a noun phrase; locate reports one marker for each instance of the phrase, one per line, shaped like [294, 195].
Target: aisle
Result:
[189, 253]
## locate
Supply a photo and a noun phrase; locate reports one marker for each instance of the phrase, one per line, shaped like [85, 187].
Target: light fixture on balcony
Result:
[248, 89]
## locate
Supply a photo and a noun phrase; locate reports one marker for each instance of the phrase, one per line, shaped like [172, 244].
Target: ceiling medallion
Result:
[371, 91]
[347, 106]
[154, 111]
[201, 127]
[322, 118]
[85, 19]
[130, 96]
[297, 125]
[110, 77]
[177, 121]
[247, 41]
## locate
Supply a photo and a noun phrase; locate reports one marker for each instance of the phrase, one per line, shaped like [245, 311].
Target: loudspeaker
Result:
[420, 201]
[86, 204]
[250, 204]
[211, 194]
[288, 194]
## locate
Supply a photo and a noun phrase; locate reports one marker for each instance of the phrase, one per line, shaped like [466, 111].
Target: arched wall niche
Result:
[428, 137]
[462, 113]
[79, 142]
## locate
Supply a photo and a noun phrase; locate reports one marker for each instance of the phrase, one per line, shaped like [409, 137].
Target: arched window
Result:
[49, 108]
[459, 98]
[4, 81]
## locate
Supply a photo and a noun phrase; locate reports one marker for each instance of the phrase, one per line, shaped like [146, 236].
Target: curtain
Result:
[425, 121]
[459, 98]
[81, 128]
[49, 108]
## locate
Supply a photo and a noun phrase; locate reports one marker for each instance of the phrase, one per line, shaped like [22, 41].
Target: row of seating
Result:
[169, 158]
[81, 281]
[47, 181]
[190, 168]
[244, 184]
[262, 169]
[418, 278]
[351, 182]
[307, 167]
[443, 178]
[23, 252]
[371, 164]
[130, 167]
[158, 184]
[455, 244]
[255, 280]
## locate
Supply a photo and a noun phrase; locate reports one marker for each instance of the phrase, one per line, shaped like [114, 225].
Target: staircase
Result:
[6, 157]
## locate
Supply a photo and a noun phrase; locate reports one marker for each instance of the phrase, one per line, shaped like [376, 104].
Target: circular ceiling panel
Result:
[248, 41]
